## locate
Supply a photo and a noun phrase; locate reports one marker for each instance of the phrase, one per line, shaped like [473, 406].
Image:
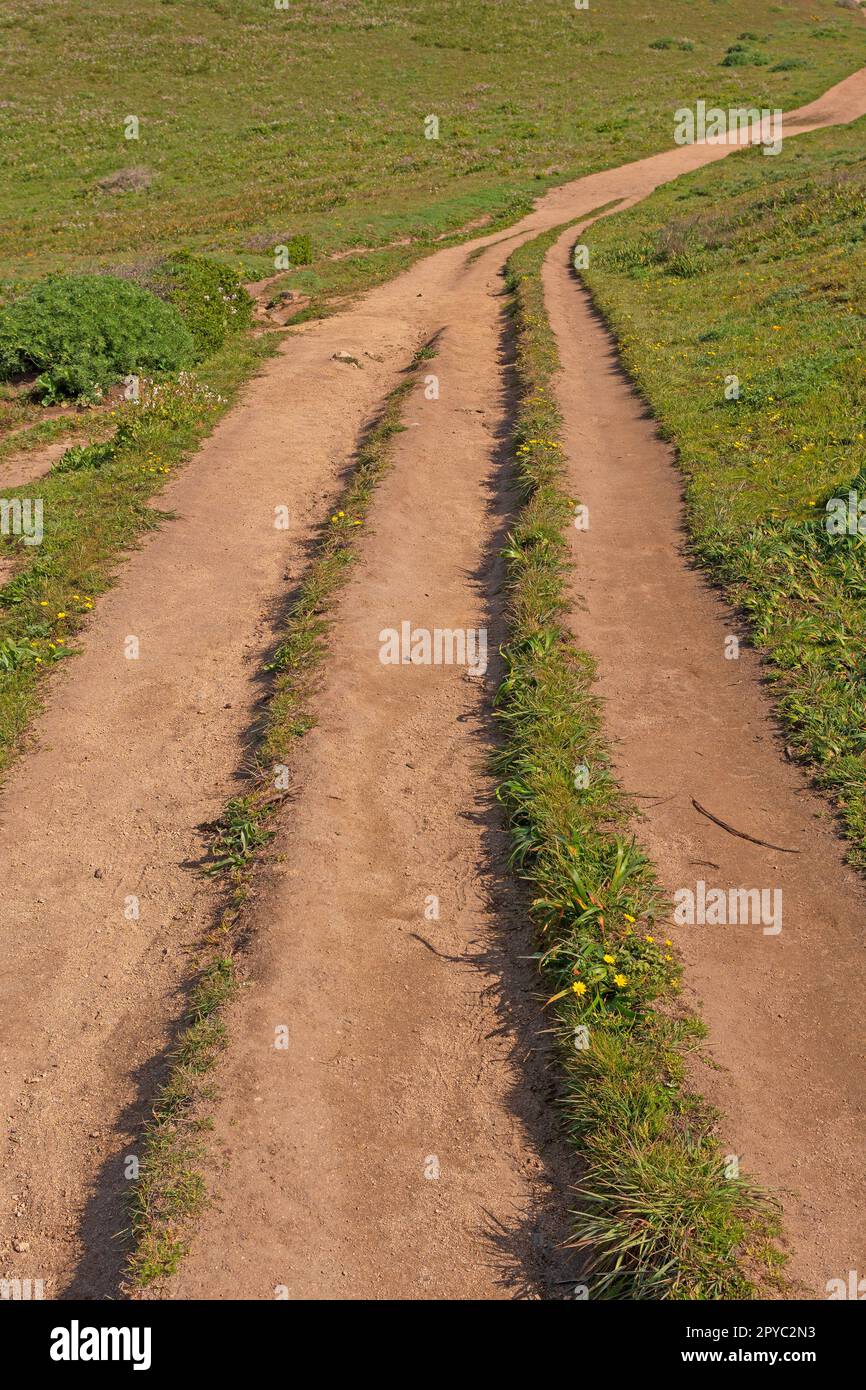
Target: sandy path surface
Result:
[31, 466]
[131, 756]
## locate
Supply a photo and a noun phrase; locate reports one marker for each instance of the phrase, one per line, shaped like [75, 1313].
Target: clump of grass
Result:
[684, 45]
[657, 1215]
[239, 836]
[742, 55]
[171, 1190]
[300, 249]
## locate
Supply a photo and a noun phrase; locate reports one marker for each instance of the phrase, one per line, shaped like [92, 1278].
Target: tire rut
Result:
[686, 724]
[129, 757]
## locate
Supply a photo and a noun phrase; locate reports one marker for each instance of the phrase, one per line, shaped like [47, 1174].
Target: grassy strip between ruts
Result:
[171, 1189]
[659, 1216]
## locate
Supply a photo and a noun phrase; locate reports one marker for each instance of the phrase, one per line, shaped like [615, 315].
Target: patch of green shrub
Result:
[80, 456]
[685, 45]
[300, 250]
[740, 56]
[209, 297]
[81, 333]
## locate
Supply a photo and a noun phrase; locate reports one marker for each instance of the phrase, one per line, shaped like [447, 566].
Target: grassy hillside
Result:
[755, 269]
[258, 122]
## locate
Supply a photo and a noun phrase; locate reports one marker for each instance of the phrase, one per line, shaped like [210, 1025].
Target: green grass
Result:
[755, 268]
[657, 1217]
[171, 1189]
[30, 435]
[258, 124]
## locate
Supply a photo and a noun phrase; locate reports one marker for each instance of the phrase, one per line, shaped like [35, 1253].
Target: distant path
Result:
[391, 1042]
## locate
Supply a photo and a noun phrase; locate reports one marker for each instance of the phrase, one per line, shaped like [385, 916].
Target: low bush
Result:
[81, 333]
[739, 55]
[209, 297]
[300, 250]
[685, 45]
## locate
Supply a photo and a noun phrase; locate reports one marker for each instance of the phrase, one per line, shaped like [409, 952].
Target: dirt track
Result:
[400, 1051]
